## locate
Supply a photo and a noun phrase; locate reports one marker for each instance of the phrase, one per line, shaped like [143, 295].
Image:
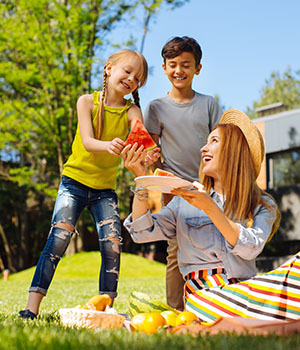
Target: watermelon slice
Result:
[160, 172]
[140, 135]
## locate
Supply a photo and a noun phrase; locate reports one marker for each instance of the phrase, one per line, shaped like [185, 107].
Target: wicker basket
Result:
[90, 319]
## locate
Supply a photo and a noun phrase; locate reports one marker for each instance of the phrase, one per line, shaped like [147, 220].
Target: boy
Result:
[181, 121]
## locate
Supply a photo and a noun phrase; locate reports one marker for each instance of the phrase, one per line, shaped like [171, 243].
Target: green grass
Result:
[76, 280]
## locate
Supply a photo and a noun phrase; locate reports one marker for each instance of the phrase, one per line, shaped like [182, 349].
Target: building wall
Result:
[281, 131]
[262, 177]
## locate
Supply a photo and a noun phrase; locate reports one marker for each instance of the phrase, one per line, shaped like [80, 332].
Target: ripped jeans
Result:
[72, 198]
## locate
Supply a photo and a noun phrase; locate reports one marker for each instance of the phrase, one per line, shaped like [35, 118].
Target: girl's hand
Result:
[152, 156]
[198, 197]
[115, 146]
[134, 159]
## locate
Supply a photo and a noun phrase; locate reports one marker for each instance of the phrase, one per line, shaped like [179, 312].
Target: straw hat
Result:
[251, 133]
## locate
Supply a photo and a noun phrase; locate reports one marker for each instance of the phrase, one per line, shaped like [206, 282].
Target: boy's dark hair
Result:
[177, 45]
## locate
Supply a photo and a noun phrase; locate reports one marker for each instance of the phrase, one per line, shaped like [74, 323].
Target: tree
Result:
[47, 59]
[283, 88]
[150, 9]
[47, 50]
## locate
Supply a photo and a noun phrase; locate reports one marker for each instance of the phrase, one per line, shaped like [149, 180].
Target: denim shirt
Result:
[200, 243]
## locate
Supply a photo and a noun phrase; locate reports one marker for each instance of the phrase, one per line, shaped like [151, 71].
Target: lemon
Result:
[152, 322]
[186, 317]
[170, 317]
[137, 322]
[99, 302]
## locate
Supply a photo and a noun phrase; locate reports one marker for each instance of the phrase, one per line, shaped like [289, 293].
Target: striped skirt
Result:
[273, 295]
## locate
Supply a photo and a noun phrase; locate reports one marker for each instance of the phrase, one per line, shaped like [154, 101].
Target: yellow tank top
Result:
[98, 170]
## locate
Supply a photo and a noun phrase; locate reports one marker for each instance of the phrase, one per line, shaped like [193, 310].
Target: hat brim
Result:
[251, 133]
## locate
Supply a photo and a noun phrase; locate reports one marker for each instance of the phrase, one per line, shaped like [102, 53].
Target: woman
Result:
[222, 226]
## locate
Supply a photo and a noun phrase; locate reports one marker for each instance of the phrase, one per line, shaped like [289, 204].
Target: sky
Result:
[243, 42]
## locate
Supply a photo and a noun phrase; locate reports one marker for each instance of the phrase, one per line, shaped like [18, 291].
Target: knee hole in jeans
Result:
[62, 230]
[113, 236]
[64, 225]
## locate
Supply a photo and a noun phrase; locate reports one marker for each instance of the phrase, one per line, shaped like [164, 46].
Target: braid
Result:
[136, 97]
[100, 114]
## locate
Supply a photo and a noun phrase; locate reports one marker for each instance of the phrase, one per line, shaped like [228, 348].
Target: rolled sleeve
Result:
[152, 227]
[144, 222]
[252, 240]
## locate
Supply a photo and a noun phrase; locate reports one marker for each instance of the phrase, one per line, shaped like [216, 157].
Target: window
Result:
[283, 168]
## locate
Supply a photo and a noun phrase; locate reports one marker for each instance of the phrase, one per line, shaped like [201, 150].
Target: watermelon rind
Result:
[143, 303]
[161, 172]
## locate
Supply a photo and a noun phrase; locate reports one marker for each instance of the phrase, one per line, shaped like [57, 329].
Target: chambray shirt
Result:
[200, 243]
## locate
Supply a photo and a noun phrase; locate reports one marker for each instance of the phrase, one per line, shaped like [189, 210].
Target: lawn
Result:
[75, 282]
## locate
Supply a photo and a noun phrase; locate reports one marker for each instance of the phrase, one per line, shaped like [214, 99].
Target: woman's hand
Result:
[197, 196]
[152, 156]
[134, 159]
[115, 146]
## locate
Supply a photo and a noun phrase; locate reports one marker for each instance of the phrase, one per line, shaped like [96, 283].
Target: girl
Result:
[89, 175]
[222, 226]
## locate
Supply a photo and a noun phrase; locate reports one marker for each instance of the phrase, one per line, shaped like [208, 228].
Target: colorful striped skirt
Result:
[273, 295]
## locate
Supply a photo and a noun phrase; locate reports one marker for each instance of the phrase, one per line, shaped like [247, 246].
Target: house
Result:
[281, 132]
[280, 176]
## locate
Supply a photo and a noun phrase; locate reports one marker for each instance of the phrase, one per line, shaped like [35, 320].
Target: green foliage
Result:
[48, 333]
[279, 87]
[47, 52]
[150, 9]
[47, 56]
[51, 52]
[125, 180]
[19, 246]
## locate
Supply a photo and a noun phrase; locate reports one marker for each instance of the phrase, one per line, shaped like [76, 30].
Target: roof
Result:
[271, 106]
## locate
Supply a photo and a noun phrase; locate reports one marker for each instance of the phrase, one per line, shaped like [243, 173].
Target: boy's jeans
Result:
[72, 198]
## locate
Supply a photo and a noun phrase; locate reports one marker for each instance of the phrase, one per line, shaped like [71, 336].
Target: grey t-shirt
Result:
[183, 129]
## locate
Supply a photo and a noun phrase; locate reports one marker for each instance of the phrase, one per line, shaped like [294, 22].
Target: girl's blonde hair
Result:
[115, 58]
[238, 177]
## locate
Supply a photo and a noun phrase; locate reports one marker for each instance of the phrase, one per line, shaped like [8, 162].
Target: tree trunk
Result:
[7, 250]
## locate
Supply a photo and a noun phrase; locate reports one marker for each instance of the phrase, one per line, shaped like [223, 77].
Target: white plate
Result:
[162, 184]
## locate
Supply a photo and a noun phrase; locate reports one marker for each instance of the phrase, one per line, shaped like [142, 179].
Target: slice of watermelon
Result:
[140, 135]
[160, 172]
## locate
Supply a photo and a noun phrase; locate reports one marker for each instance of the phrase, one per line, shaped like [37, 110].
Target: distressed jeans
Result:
[72, 198]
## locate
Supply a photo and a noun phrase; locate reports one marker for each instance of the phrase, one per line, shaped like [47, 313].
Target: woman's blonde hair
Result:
[238, 177]
[115, 58]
